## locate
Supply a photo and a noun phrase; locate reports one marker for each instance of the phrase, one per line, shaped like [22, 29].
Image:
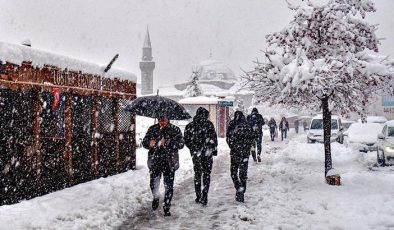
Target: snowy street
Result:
[286, 191]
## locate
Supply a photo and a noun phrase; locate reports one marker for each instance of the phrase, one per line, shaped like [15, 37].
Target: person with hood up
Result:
[284, 127]
[256, 122]
[163, 141]
[201, 139]
[240, 139]
[272, 126]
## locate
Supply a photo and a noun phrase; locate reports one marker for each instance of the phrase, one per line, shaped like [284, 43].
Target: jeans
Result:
[155, 176]
[239, 171]
[284, 132]
[272, 133]
[202, 166]
[257, 143]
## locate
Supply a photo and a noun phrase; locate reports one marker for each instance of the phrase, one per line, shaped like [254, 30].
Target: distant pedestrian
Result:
[284, 127]
[272, 126]
[201, 139]
[256, 122]
[296, 125]
[305, 124]
[163, 141]
[240, 139]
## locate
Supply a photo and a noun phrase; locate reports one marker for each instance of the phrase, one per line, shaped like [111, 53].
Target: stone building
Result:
[147, 66]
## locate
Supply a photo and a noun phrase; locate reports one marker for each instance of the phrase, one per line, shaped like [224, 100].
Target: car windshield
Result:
[346, 125]
[318, 124]
[390, 132]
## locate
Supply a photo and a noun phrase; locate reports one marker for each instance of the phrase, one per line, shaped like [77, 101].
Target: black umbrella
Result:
[158, 106]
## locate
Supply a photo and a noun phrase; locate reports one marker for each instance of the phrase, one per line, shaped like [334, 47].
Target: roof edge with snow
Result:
[16, 54]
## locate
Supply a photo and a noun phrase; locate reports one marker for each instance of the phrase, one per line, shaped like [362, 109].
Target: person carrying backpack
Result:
[240, 139]
[272, 126]
[284, 127]
[256, 122]
[201, 139]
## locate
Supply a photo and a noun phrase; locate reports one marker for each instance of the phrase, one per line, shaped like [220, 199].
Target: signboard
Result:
[225, 103]
[388, 100]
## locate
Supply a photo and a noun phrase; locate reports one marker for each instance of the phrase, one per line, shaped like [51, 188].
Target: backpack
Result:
[254, 122]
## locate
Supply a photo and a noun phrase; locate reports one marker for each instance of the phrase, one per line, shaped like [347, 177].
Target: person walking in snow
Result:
[284, 127]
[272, 126]
[201, 139]
[240, 139]
[256, 122]
[296, 125]
[163, 141]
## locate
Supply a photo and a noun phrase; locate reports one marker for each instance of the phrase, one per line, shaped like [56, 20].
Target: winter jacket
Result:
[239, 136]
[284, 125]
[167, 155]
[200, 134]
[272, 124]
[256, 121]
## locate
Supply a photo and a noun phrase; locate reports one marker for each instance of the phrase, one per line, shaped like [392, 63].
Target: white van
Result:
[315, 132]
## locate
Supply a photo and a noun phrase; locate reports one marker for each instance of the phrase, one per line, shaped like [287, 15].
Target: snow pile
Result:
[16, 54]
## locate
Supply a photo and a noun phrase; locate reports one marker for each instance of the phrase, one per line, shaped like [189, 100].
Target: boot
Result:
[166, 211]
[197, 200]
[258, 158]
[204, 199]
[237, 196]
[155, 203]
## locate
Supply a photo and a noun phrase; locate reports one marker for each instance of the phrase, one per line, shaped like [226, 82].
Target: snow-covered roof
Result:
[17, 54]
[199, 100]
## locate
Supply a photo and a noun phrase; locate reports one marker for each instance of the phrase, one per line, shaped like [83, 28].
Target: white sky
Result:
[182, 31]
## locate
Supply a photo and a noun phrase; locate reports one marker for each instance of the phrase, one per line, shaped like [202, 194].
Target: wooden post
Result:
[116, 125]
[68, 135]
[37, 137]
[133, 160]
[94, 141]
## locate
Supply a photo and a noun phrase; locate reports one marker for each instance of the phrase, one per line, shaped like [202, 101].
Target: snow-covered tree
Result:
[194, 90]
[239, 105]
[326, 60]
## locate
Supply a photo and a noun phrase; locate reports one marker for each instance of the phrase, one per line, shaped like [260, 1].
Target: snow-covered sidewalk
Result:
[286, 191]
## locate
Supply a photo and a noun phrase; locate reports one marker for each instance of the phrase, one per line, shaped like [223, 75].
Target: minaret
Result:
[147, 66]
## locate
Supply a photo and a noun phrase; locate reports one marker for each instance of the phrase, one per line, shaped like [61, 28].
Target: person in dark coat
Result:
[240, 139]
[296, 125]
[272, 126]
[201, 139]
[284, 127]
[163, 141]
[256, 122]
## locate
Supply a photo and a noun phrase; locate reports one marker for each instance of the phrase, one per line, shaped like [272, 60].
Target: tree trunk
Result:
[327, 135]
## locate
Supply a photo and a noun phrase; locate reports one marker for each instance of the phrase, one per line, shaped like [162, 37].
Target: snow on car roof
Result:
[375, 119]
[364, 132]
[390, 123]
[320, 116]
[17, 54]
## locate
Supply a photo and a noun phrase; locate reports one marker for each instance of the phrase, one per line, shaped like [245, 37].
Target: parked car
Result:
[363, 136]
[385, 145]
[346, 124]
[315, 132]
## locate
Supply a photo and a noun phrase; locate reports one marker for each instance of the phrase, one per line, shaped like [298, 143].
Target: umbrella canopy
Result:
[158, 106]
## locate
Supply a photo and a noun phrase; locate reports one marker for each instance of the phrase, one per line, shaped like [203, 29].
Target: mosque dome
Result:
[212, 70]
